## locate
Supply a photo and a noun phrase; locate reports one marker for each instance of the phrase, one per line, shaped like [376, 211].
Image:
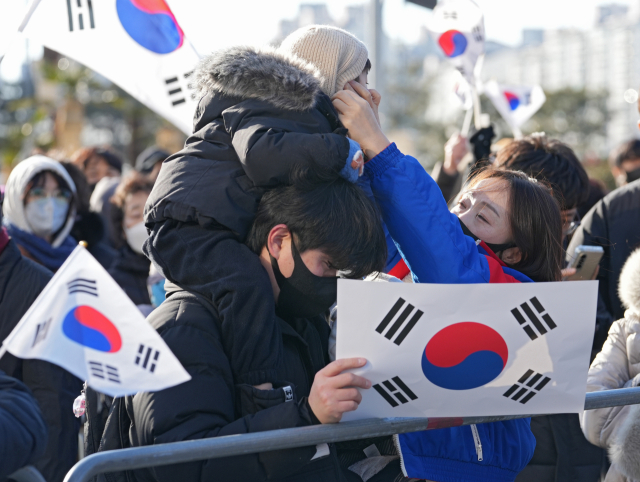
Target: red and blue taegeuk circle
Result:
[512, 99]
[151, 24]
[464, 355]
[453, 43]
[88, 327]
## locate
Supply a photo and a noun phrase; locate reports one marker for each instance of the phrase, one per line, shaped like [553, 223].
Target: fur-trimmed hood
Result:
[284, 81]
[625, 449]
[629, 284]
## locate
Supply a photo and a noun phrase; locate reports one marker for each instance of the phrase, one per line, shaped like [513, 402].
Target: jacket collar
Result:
[285, 81]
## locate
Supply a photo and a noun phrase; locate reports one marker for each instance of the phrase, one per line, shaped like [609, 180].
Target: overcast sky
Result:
[215, 24]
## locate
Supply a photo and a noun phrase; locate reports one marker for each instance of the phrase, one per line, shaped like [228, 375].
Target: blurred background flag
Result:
[515, 103]
[84, 322]
[138, 44]
[457, 27]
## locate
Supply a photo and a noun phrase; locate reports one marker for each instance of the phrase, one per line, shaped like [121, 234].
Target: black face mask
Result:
[303, 294]
[496, 248]
[633, 175]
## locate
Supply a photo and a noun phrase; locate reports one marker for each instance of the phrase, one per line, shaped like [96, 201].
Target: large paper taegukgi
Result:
[468, 350]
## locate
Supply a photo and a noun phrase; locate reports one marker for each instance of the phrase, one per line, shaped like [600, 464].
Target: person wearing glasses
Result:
[39, 210]
[38, 213]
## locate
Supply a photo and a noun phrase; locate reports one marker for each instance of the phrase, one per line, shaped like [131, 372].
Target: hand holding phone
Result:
[586, 260]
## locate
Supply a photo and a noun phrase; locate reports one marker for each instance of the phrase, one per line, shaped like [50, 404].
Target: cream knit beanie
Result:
[338, 55]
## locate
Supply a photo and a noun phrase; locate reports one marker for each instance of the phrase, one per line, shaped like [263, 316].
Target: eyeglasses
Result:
[570, 224]
[41, 193]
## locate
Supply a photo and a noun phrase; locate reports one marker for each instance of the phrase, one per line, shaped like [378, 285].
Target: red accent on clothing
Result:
[4, 239]
[400, 270]
[497, 275]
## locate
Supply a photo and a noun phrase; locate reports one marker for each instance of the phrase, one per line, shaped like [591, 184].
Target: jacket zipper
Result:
[476, 440]
[396, 442]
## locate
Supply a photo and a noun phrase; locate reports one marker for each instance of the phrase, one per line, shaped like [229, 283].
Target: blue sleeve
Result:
[428, 236]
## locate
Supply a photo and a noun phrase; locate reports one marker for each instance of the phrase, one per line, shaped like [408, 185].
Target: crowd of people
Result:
[232, 248]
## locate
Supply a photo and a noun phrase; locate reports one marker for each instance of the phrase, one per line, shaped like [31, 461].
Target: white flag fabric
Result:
[137, 44]
[515, 103]
[458, 28]
[84, 322]
[468, 350]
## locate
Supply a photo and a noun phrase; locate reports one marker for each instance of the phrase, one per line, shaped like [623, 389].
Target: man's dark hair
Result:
[551, 161]
[628, 150]
[334, 216]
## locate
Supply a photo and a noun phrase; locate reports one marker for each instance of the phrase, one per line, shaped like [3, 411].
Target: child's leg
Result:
[212, 262]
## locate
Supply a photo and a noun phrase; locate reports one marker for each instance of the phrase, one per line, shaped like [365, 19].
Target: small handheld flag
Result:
[515, 103]
[457, 27]
[138, 45]
[468, 350]
[84, 322]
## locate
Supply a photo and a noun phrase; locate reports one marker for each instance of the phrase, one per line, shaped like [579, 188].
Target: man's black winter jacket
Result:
[614, 224]
[213, 404]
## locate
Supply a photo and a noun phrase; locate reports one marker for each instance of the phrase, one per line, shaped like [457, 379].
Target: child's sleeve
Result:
[428, 236]
[269, 145]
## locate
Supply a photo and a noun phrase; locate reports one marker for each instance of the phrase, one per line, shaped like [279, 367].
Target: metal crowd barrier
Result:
[211, 448]
[27, 474]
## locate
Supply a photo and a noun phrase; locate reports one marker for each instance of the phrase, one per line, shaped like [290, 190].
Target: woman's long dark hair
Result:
[536, 224]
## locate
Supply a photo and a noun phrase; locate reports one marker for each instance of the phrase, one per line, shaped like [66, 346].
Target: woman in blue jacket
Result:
[506, 228]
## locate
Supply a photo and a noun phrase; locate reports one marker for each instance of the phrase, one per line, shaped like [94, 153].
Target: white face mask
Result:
[136, 236]
[46, 216]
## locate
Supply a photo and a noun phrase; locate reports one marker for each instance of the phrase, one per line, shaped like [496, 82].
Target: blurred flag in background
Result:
[138, 44]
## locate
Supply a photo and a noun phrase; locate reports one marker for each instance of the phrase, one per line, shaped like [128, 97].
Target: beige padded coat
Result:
[618, 366]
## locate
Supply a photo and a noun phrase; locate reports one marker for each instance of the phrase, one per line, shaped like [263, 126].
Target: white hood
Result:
[14, 193]
[629, 284]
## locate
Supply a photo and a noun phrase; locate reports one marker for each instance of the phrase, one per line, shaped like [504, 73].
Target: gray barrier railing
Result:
[211, 448]
[27, 474]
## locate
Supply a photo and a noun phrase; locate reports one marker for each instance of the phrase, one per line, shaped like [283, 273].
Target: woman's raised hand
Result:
[358, 117]
[370, 95]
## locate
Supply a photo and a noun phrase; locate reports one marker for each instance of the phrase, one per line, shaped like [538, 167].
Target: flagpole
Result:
[25, 20]
[517, 133]
[476, 108]
[466, 124]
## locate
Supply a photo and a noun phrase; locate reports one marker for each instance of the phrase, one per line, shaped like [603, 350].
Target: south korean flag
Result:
[137, 44]
[468, 350]
[457, 26]
[516, 103]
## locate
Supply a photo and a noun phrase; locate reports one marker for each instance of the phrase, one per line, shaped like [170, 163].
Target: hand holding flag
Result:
[84, 322]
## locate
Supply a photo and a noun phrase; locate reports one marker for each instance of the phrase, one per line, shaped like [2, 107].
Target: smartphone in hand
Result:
[585, 261]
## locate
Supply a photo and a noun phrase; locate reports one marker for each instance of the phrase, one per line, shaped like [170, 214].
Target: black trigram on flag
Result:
[394, 391]
[541, 326]
[81, 285]
[178, 88]
[399, 321]
[41, 332]
[143, 358]
[80, 14]
[529, 385]
[99, 370]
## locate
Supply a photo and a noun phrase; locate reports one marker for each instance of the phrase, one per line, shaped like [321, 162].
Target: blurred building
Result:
[603, 58]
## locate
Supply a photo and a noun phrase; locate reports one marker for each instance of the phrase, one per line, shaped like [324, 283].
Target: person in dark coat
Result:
[149, 162]
[130, 267]
[23, 432]
[300, 238]
[260, 114]
[88, 225]
[614, 224]
[21, 281]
